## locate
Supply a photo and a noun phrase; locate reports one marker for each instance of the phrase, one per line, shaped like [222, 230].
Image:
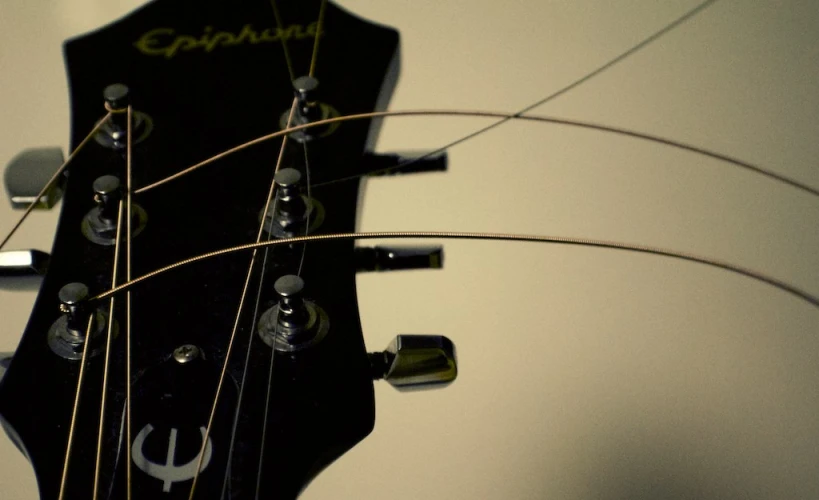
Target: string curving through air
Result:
[580, 81]
[488, 114]
[756, 275]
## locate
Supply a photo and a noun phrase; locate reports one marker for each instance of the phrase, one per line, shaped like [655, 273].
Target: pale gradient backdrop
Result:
[584, 373]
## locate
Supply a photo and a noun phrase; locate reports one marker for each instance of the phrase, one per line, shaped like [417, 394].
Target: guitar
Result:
[575, 365]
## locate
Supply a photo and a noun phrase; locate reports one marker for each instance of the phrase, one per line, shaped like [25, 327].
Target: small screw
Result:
[186, 353]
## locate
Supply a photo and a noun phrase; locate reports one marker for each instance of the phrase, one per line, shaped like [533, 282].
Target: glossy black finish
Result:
[203, 96]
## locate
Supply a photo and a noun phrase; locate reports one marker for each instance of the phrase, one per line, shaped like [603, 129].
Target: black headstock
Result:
[203, 77]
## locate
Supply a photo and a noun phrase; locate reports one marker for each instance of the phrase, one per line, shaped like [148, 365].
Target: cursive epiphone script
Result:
[168, 43]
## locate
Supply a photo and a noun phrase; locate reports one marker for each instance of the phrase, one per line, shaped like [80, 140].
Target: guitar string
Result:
[319, 26]
[727, 266]
[280, 26]
[76, 407]
[54, 178]
[107, 359]
[235, 426]
[490, 114]
[269, 387]
[128, 260]
[270, 195]
[266, 408]
[612, 62]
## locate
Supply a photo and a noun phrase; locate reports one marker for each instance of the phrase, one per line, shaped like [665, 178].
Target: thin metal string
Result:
[280, 26]
[271, 194]
[236, 414]
[619, 58]
[108, 341]
[487, 114]
[756, 275]
[269, 388]
[319, 26]
[76, 408]
[54, 178]
[128, 259]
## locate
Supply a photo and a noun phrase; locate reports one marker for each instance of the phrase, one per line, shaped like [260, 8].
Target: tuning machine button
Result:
[114, 133]
[67, 334]
[100, 224]
[407, 162]
[295, 322]
[29, 172]
[413, 362]
[378, 259]
[5, 362]
[291, 213]
[23, 263]
[309, 108]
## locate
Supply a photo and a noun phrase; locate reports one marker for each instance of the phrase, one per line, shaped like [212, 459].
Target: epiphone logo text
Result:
[166, 42]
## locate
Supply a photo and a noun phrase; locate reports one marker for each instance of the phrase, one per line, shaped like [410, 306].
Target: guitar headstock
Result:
[202, 77]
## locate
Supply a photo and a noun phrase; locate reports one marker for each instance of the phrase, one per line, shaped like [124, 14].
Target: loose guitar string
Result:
[612, 62]
[83, 359]
[76, 407]
[234, 428]
[106, 362]
[262, 276]
[54, 178]
[270, 195]
[271, 364]
[390, 168]
[489, 114]
[756, 275]
[128, 259]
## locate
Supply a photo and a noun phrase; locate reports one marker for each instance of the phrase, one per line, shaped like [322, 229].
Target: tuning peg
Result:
[398, 258]
[29, 172]
[5, 361]
[416, 362]
[295, 322]
[23, 263]
[413, 162]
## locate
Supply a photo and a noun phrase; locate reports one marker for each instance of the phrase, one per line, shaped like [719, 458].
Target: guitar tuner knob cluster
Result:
[413, 362]
[295, 322]
[68, 333]
[114, 133]
[100, 224]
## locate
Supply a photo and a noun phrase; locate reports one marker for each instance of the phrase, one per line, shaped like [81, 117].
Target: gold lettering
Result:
[222, 38]
[147, 42]
[162, 42]
[247, 33]
[182, 42]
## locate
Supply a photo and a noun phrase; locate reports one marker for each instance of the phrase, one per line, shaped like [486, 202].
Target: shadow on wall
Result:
[647, 466]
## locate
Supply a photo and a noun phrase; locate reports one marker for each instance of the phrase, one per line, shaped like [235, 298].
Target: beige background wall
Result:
[584, 373]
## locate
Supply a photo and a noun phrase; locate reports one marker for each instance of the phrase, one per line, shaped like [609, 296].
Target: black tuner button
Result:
[295, 322]
[414, 362]
[107, 194]
[306, 91]
[74, 304]
[117, 97]
[100, 224]
[29, 172]
[67, 335]
[309, 108]
[289, 215]
[410, 162]
[369, 259]
[114, 133]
